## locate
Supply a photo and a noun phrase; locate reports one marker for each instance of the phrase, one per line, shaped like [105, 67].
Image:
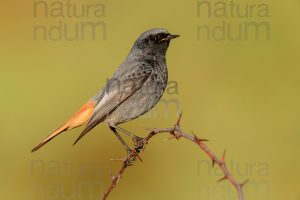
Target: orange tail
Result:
[80, 118]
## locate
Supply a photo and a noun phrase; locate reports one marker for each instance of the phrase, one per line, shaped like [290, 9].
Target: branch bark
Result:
[177, 133]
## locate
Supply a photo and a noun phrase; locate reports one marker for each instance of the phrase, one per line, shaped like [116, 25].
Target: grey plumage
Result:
[134, 89]
[146, 72]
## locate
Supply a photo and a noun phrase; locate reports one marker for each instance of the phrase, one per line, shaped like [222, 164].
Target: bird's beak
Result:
[169, 37]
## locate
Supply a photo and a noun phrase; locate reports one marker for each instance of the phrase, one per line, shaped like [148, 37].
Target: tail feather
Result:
[80, 118]
[50, 137]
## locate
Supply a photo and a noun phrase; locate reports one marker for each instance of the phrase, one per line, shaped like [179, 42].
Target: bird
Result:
[135, 88]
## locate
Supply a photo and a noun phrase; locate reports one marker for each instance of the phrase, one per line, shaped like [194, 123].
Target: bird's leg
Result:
[125, 131]
[138, 141]
[130, 153]
[119, 137]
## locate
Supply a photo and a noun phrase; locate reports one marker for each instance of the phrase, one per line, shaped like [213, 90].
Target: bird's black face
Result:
[155, 42]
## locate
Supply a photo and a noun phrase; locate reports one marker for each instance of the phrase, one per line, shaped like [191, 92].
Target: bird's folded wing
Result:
[116, 92]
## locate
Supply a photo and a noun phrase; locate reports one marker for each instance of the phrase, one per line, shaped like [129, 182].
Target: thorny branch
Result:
[177, 133]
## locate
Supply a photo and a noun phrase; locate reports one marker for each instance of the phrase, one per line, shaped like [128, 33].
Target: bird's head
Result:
[154, 41]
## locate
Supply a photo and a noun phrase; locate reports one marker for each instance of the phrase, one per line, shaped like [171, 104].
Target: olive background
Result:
[242, 95]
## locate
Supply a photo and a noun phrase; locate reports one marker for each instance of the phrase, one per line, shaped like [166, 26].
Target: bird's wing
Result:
[116, 92]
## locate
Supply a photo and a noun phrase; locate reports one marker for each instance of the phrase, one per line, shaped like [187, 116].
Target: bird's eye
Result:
[152, 38]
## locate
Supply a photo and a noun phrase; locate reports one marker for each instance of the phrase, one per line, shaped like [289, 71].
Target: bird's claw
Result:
[138, 143]
[130, 158]
[131, 155]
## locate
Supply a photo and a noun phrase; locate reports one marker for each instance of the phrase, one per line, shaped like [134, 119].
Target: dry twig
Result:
[177, 133]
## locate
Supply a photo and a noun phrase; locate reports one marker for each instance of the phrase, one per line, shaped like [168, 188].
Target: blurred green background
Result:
[242, 95]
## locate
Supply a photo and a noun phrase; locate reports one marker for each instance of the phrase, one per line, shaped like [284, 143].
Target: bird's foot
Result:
[138, 143]
[130, 158]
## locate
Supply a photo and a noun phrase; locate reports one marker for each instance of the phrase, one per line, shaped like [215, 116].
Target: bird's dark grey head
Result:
[154, 41]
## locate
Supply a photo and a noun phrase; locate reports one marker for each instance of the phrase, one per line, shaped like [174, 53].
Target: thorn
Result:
[213, 163]
[244, 183]
[222, 179]
[144, 147]
[112, 176]
[177, 137]
[179, 119]
[223, 156]
[174, 135]
[198, 140]
[115, 180]
[140, 158]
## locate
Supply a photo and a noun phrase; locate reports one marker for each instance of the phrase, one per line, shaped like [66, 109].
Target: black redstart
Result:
[134, 89]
